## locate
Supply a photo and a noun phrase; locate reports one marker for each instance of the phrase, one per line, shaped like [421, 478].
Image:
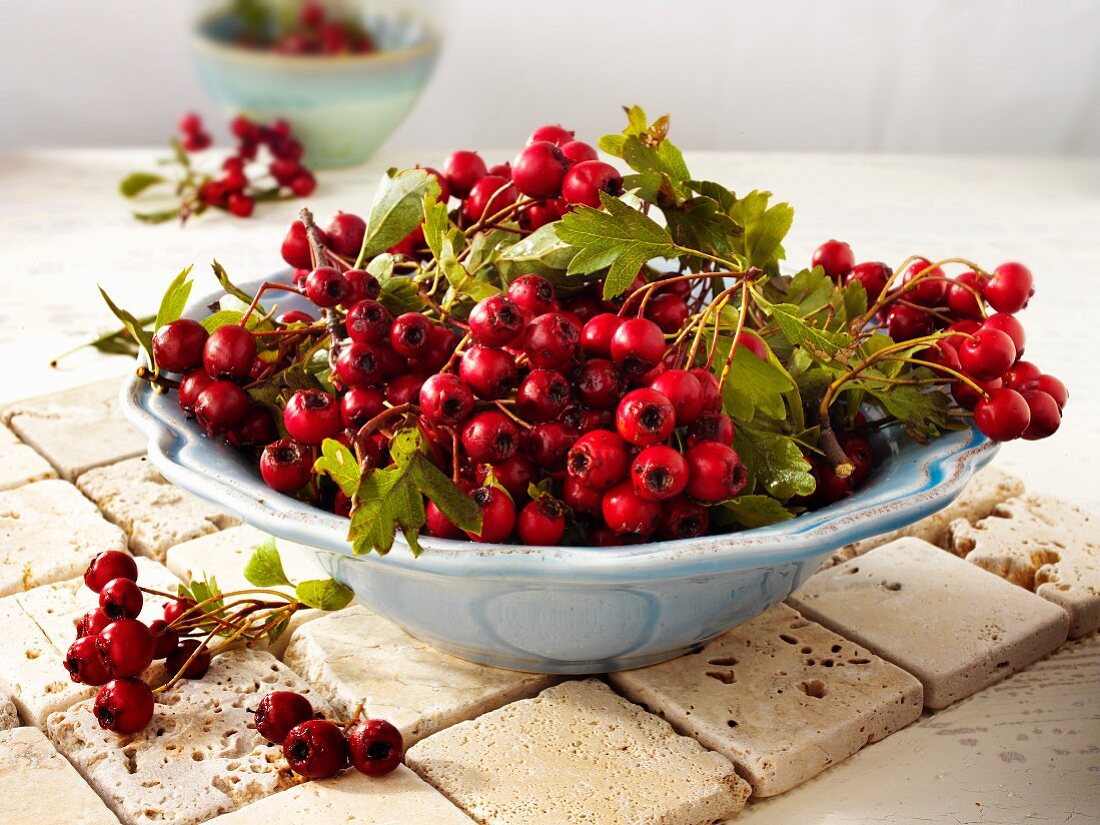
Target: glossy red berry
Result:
[1010, 326]
[121, 599]
[577, 151]
[124, 706]
[874, 275]
[1046, 415]
[645, 417]
[360, 365]
[221, 407]
[462, 170]
[1003, 416]
[256, 429]
[107, 566]
[626, 512]
[659, 473]
[539, 169]
[490, 373]
[669, 312]
[498, 515]
[597, 333]
[599, 459]
[904, 323]
[186, 659]
[551, 341]
[967, 397]
[311, 416]
[439, 525]
[125, 648]
[860, 454]
[682, 518]
[92, 623]
[83, 662]
[637, 346]
[368, 322]
[987, 354]
[711, 427]
[533, 294]
[1009, 288]
[684, 391]
[327, 287]
[295, 249]
[540, 213]
[229, 352]
[410, 334]
[364, 286]
[358, 405]
[1023, 375]
[488, 197]
[164, 640]
[445, 399]
[542, 396]
[553, 133]
[835, 257]
[548, 444]
[959, 331]
[585, 180]
[178, 346]
[964, 296]
[303, 184]
[931, 287]
[345, 234]
[190, 387]
[541, 523]
[715, 472]
[376, 747]
[712, 396]
[177, 608]
[286, 465]
[490, 437]
[316, 749]
[496, 321]
[581, 497]
[598, 384]
[1054, 388]
[404, 389]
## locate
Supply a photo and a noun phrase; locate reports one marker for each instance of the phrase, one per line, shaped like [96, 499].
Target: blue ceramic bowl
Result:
[566, 609]
[342, 108]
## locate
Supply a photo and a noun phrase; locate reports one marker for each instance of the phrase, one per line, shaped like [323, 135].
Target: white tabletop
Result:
[64, 229]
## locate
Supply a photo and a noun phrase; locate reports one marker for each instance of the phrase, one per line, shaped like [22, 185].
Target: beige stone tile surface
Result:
[9, 716]
[578, 753]
[780, 697]
[39, 787]
[19, 463]
[155, 514]
[49, 532]
[78, 428]
[198, 757]
[952, 625]
[988, 488]
[1048, 545]
[356, 656]
[399, 798]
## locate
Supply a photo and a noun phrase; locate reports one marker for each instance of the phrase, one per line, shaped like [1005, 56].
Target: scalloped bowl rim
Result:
[946, 464]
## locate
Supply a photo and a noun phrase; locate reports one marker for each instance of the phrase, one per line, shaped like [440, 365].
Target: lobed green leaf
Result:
[265, 567]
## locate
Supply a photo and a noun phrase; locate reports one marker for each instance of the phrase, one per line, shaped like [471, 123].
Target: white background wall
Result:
[1014, 76]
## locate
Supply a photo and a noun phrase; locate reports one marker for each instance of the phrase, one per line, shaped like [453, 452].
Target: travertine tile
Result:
[399, 798]
[49, 532]
[577, 753]
[986, 490]
[197, 758]
[224, 555]
[1048, 545]
[780, 697]
[154, 513]
[77, 429]
[38, 627]
[356, 656]
[20, 464]
[39, 787]
[952, 625]
[9, 716]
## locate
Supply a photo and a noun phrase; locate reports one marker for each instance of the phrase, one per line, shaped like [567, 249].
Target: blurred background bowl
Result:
[342, 107]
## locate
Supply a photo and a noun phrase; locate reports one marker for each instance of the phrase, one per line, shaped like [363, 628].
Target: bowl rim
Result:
[429, 45]
[945, 466]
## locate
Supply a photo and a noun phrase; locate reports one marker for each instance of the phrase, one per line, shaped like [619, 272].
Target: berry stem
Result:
[736, 335]
[160, 381]
[317, 253]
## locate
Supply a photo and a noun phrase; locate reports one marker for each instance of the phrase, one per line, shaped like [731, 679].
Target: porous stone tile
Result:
[780, 697]
[9, 716]
[986, 490]
[356, 656]
[154, 513]
[20, 464]
[578, 753]
[1048, 545]
[38, 627]
[398, 798]
[197, 758]
[78, 428]
[224, 555]
[952, 625]
[49, 532]
[39, 787]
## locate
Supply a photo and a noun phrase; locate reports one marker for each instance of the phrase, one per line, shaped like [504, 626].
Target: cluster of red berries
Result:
[113, 647]
[976, 337]
[318, 748]
[317, 32]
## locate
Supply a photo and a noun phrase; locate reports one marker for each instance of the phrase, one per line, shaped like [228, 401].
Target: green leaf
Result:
[137, 182]
[393, 499]
[765, 228]
[265, 567]
[699, 223]
[620, 238]
[751, 384]
[397, 209]
[923, 412]
[231, 288]
[324, 594]
[821, 343]
[540, 253]
[774, 462]
[381, 267]
[400, 295]
[756, 511]
[163, 216]
[338, 462]
[133, 326]
[461, 281]
[810, 290]
[664, 159]
[174, 300]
